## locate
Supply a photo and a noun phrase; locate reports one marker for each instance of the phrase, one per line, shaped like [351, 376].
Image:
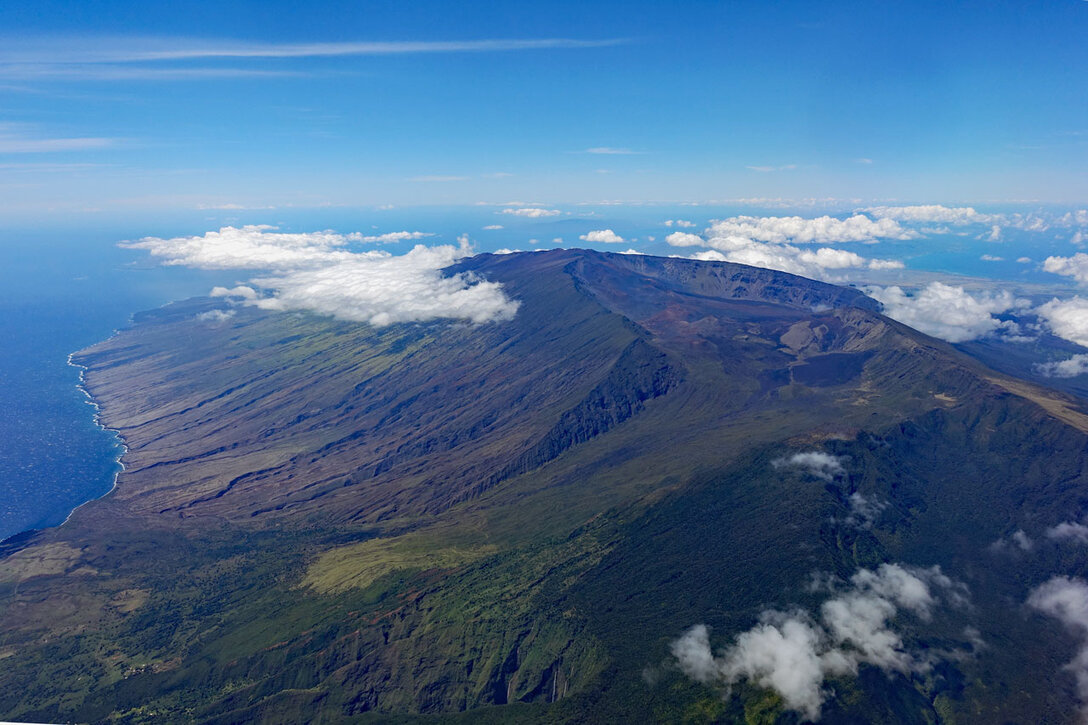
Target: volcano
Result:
[665, 490]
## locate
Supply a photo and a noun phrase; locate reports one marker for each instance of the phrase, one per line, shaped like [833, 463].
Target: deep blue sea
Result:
[66, 288]
[59, 293]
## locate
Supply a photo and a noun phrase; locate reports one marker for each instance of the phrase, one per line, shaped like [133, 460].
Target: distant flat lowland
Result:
[665, 491]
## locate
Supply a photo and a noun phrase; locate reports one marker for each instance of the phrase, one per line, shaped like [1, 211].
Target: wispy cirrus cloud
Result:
[437, 178]
[611, 151]
[19, 139]
[142, 49]
[149, 58]
[769, 169]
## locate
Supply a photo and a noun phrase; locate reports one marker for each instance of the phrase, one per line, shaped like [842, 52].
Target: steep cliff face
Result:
[325, 517]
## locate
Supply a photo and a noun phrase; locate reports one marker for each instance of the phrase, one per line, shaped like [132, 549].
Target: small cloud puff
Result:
[215, 315]
[946, 311]
[314, 272]
[1018, 539]
[490, 227]
[532, 212]
[1074, 366]
[1066, 600]
[864, 510]
[681, 223]
[603, 236]
[793, 653]
[1069, 531]
[821, 465]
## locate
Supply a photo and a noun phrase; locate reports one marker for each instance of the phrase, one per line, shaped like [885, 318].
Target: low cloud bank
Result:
[946, 311]
[316, 271]
[819, 230]
[771, 242]
[932, 214]
[794, 652]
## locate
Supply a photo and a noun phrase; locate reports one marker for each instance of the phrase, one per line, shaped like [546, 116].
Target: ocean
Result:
[60, 293]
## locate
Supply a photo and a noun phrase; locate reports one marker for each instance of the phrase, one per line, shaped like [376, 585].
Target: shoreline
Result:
[97, 418]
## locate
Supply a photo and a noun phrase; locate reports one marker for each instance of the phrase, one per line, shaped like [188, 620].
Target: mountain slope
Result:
[319, 516]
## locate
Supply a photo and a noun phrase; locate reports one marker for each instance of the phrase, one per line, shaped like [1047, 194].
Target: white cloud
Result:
[100, 58]
[241, 291]
[437, 178]
[1023, 260]
[1022, 540]
[1069, 531]
[945, 311]
[1066, 600]
[1018, 538]
[761, 242]
[793, 653]
[768, 169]
[631, 251]
[932, 214]
[215, 315]
[799, 230]
[18, 139]
[819, 464]
[604, 236]
[685, 239]
[864, 510]
[818, 264]
[248, 247]
[991, 258]
[610, 151]
[681, 223]
[1074, 366]
[389, 238]
[1075, 266]
[532, 212]
[313, 271]
[1068, 319]
[490, 227]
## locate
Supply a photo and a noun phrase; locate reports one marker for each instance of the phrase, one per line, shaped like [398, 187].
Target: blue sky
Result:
[124, 107]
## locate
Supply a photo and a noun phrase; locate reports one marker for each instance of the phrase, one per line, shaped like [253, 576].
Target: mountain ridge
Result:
[438, 517]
